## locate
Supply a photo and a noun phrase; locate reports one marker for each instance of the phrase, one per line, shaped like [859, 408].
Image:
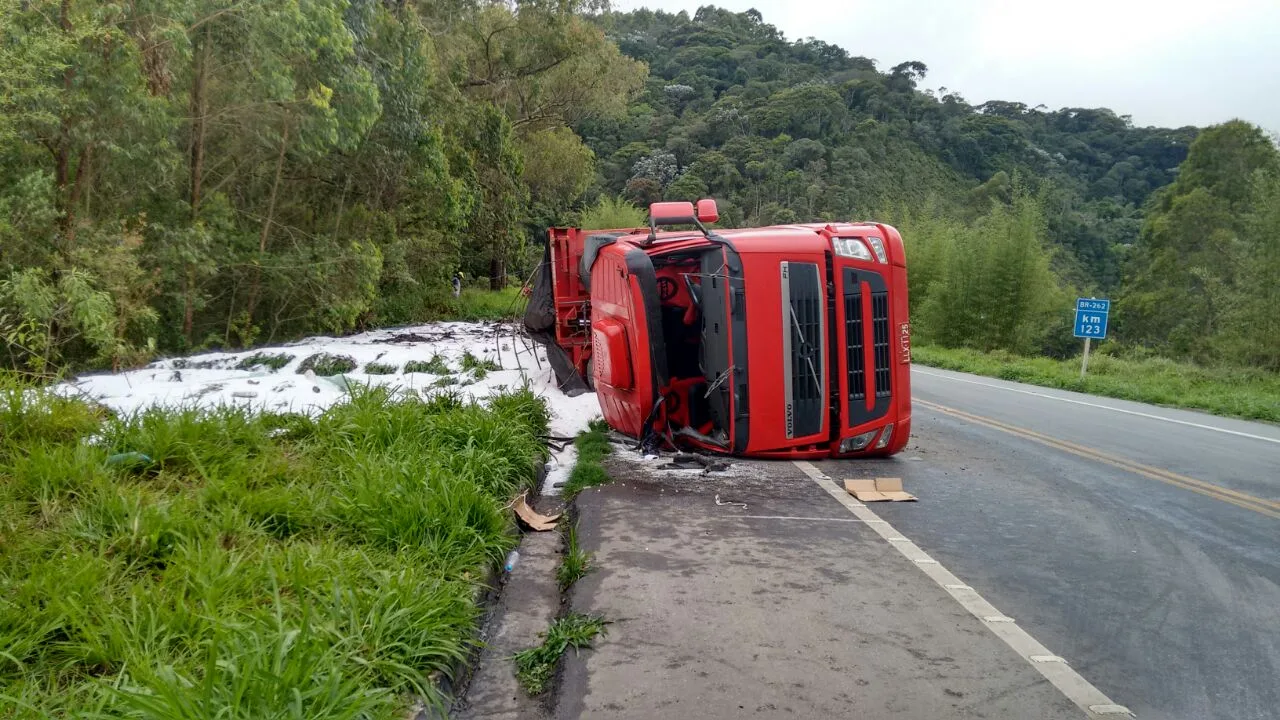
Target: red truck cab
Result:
[786, 341]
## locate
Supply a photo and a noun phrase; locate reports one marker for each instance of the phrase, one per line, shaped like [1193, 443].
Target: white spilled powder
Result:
[215, 379]
[558, 469]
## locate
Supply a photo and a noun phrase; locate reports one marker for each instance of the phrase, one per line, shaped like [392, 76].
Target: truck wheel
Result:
[591, 374]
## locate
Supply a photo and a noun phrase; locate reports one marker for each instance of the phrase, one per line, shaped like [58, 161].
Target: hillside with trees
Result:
[1007, 210]
[187, 174]
[177, 174]
[781, 130]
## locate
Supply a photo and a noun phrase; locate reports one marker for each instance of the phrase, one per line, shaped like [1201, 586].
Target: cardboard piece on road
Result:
[532, 518]
[878, 490]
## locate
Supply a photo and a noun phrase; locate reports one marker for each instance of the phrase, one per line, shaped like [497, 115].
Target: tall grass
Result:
[612, 213]
[536, 666]
[592, 445]
[1232, 391]
[476, 304]
[270, 566]
[576, 562]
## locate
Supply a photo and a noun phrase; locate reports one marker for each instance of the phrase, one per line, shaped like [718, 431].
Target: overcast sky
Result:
[1164, 62]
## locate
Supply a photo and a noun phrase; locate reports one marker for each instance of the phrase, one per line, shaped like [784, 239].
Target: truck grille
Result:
[880, 329]
[804, 348]
[855, 360]
[874, 380]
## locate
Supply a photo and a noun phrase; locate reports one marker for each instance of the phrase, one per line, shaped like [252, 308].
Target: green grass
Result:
[613, 213]
[436, 366]
[471, 362]
[434, 303]
[271, 361]
[325, 364]
[588, 471]
[478, 305]
[537, 665]
[186, 364]
[377, 368]
[1235, 392]
[479, 368]
[576, 562]
[256, 566]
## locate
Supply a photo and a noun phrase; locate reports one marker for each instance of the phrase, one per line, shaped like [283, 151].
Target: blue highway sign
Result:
[1091, 317]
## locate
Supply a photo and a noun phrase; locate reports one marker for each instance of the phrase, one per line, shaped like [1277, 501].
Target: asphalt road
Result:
[754, 593]
[1140, 543]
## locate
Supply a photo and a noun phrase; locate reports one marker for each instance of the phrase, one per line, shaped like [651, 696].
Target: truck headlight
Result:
[851, 248]
[883, 442]
[857, 442]
[878, 246]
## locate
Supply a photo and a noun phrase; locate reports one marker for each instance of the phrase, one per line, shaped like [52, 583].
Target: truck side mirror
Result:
[680, 213]
[707, 211]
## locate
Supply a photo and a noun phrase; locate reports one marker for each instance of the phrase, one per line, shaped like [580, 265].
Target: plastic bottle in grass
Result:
[129, 460]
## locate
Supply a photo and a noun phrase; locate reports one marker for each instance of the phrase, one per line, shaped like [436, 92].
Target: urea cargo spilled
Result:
[788, 341]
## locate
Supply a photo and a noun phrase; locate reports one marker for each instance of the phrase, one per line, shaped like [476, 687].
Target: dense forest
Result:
[180, 174]
[797, 130]
[177, 174]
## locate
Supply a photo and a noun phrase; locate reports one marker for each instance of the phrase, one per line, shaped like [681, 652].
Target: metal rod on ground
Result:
[1084, 360]
[532, 349]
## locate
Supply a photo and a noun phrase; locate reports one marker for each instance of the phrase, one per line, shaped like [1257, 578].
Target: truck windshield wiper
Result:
[718, 381]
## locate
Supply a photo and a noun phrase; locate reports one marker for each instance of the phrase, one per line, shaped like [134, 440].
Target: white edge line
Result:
[1059, 674]
[1106, 407]
[788, 517]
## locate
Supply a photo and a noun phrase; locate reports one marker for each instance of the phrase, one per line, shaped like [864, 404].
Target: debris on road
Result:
[878, 490]
[532, 518]
[730, 502]
[689, 461]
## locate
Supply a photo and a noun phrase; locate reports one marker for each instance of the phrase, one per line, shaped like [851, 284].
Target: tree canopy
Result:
[779, 129]
[184, 174]
[177, 174]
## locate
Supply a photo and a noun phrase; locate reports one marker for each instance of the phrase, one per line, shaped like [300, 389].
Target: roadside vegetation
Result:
[220, 178]
[536, 666]
[576, 562]
[217, 564]
[471, 362]
[327, 364]
[610, 213]
[1232, 391]
[475, 304]
[378, 368]
[435, 366]
[592, 446]
[271, 361]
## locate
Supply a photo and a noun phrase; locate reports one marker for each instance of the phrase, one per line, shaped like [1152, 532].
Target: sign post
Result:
[1091, 322]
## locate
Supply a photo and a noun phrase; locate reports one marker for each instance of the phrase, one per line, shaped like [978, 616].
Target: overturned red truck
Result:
[789, 341]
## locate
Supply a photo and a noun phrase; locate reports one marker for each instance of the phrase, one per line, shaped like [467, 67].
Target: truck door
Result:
[629, 358]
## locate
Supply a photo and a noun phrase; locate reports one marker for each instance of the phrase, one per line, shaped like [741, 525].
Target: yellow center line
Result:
[1264, 506]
